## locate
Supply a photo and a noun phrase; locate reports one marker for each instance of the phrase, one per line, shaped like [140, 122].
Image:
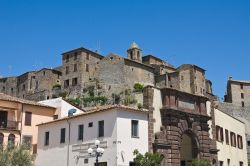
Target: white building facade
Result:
[120, 129]
[62, 107]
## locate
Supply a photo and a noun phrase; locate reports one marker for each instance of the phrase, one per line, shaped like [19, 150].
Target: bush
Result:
[148, 159]
[139, 106]
[16, 156]
[129, 100]
[116, 98]
[57, 86]
[97, 99]
[63, 94]
[138, 87]
[74, 101]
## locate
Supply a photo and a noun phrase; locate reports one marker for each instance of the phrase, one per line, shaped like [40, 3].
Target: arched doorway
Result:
[188, 149]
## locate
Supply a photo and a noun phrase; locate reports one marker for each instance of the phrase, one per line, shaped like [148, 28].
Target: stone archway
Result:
[179, 126]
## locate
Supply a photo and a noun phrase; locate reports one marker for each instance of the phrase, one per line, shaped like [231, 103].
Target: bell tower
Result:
[134, 52]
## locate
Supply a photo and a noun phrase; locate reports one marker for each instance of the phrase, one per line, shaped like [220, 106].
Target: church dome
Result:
[134, 45]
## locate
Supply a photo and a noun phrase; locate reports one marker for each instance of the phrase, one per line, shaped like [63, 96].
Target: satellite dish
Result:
[71, 112]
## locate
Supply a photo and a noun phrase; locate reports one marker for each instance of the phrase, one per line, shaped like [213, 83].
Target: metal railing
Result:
[9, 125]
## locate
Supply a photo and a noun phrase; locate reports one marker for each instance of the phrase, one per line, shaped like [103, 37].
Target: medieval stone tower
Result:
[134, 52]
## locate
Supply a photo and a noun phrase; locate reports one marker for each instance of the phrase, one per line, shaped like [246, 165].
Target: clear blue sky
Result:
[213, 34]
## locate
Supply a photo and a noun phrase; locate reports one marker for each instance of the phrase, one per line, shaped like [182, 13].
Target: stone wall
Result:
[243, 114]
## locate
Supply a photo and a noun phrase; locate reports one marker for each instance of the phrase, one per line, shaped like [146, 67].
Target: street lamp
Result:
[96, 152]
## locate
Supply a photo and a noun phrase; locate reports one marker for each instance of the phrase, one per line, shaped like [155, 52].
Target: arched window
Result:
[11, 139]
[1, 138]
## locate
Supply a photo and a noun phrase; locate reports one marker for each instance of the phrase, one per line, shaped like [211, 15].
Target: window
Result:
[67, 70]
[242, 104]
[239, 142]
[248, 143]
[87, 56]
[36, 84]
[67, 57]
[242, 95]
[63, 133]
[228, 162]
[80, 132]
[23, 87]
[90, 124]
[74, 81]
[241, 163]
[219, 134]
[134, 128]
[233, 139]
[86, 161]
[1, 138]
[3, 88]
[43, 73]
[12, 90]
[241, 86]
[75, 67]
[28, 117]
[75, 56]
[27, 141]
[220, 163]
[11, 139]
[227, 137]
[101, 128]
[66, 83]
[87, 67]
[46, 141]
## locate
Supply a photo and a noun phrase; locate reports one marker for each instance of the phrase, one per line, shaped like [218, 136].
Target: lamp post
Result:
[96, 152]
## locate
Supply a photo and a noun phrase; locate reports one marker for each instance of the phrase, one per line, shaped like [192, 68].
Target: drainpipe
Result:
[21, 127]
[68, 143]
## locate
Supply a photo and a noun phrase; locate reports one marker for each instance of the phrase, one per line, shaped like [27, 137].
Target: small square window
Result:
[90, 124]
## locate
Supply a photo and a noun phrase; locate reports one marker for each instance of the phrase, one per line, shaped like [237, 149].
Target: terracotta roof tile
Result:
[22, 101]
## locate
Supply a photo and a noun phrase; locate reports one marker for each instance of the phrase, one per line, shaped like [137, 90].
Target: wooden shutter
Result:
[28, 117]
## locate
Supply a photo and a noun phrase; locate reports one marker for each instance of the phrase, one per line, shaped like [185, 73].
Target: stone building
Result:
[33, 85]
[238, 92]
[107, 75]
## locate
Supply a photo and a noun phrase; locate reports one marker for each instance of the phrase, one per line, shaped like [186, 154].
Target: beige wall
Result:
[39, 115]
[227, 151]
[16, 112]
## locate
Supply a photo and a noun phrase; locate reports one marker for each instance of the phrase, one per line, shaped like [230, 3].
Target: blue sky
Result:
[213, 34]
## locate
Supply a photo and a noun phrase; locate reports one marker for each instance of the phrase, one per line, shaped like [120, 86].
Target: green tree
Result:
[148, 159]
[16, 156]
[199, 163]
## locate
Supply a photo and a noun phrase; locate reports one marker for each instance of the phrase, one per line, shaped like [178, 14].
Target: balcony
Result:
[12, 125]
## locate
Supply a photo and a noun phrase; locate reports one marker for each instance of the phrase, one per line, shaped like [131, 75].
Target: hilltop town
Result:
[138, 102]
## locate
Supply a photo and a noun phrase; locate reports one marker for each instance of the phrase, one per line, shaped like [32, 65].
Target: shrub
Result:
[56, 86]
[74, 101]
[139, 106]
[138, 87]
[129, 100]
[148, 159]
[63, 94]
[16, 156]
